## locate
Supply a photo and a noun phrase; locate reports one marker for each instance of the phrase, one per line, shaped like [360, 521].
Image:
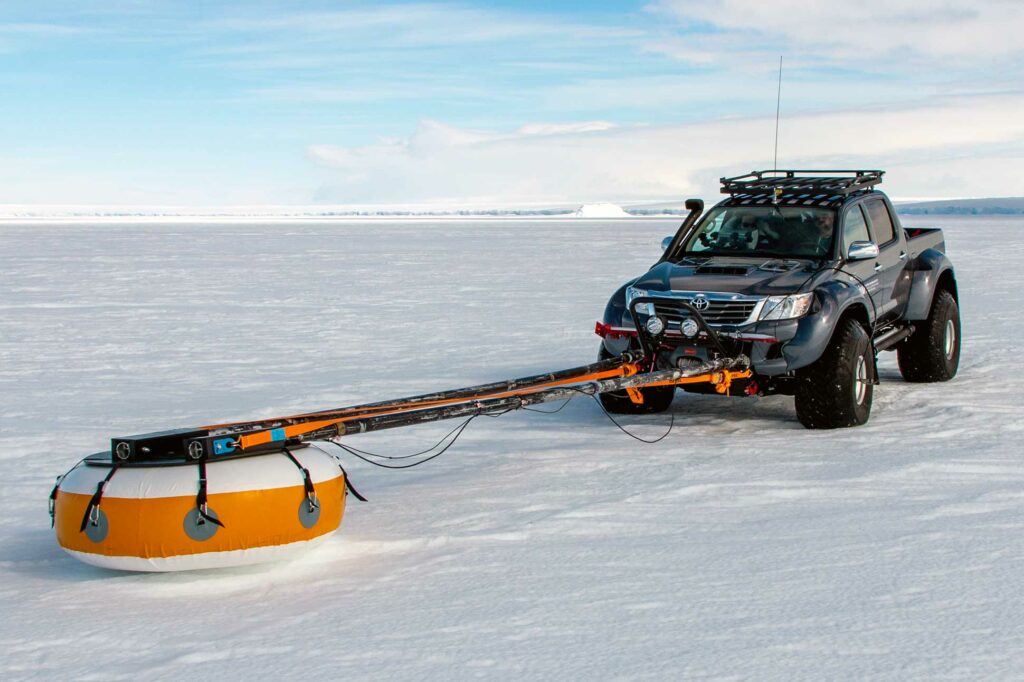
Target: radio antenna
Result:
[778, 102]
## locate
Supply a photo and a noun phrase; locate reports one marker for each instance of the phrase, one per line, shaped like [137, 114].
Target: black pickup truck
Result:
[809, 274]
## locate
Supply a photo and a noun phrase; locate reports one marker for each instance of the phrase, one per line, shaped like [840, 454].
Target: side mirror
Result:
[862, 251]
[666, 242]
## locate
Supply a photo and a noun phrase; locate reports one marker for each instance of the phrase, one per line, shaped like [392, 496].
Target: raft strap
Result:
[92, 509]
[53, 498]
[348, 482]
[307, 481]
[201, 505]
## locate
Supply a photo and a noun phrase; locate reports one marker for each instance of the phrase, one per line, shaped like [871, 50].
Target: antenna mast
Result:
[778, 102]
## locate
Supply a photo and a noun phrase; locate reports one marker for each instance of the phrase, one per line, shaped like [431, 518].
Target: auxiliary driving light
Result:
[655, 326]
[689, 327]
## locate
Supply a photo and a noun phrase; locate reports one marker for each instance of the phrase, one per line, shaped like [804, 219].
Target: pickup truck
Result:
[807, 273]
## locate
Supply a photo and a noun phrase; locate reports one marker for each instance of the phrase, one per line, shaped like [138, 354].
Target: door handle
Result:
[903, 255]
[878, 266]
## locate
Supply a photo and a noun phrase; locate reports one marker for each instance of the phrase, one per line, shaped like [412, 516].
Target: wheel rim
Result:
[949, 342]
[860, 382]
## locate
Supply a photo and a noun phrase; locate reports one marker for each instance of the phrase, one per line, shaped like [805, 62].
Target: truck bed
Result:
[922, 238]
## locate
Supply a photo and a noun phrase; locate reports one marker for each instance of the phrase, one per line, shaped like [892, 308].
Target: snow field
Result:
[540, 546]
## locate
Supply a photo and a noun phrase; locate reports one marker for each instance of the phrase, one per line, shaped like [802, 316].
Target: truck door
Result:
[892, 259]
[855, 229]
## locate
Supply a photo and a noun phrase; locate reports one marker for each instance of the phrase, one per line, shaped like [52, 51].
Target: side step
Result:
[889, 339]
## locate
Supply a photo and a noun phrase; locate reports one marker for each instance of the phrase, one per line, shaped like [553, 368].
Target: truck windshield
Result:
[785, 232]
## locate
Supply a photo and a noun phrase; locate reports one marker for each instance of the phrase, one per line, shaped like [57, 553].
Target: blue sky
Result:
[169, 103]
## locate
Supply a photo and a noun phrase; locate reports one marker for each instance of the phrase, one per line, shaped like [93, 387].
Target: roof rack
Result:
[835, 182]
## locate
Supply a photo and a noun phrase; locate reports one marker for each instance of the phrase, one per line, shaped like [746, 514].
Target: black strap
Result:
[201, 496]
[94, 503]
[53, 499]
[348, 484]
[307, 480]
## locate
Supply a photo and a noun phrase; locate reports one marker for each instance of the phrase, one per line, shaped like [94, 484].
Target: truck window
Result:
[881, 223]
[768, 231]
[855, 229]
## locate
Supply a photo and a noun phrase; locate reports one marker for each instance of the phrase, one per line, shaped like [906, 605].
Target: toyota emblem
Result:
[700, 303]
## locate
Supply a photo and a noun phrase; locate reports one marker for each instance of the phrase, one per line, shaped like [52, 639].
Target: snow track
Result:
[539, 547]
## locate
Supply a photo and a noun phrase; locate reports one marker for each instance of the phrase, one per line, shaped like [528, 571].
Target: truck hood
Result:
[749, 276]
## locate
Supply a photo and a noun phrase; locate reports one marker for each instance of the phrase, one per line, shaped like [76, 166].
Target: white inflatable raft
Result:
[148, 517]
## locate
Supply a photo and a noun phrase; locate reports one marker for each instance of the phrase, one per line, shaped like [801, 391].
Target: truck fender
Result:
[615, 315]
[615, 311]
[814, 331]
[931, 268]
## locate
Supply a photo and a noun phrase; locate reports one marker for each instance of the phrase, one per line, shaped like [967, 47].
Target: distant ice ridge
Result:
[600, 211]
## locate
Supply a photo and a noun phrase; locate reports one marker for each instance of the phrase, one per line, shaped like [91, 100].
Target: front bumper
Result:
[774, 347]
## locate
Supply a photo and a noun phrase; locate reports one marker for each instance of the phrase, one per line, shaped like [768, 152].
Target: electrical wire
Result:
[867, 292]
[555, 411]
[454, 434]
[672, 422]
[458, 432]
[370, 457]
[56, 488]
[410, 456]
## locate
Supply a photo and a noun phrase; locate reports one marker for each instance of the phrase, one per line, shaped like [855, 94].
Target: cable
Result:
[671, 423]
[867, 292]
[56, 488]
[363, 455]
[503, 412]
[454, 434]
[354, 453]
[778, 107]
[415, 454]
[556, 411]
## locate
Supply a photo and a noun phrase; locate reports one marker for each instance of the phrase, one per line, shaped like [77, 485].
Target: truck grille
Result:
[718, 312]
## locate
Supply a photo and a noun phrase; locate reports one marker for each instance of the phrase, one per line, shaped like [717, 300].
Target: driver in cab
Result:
[813, 234]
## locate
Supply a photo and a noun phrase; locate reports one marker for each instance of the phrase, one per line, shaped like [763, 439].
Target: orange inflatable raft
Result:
[151, 518]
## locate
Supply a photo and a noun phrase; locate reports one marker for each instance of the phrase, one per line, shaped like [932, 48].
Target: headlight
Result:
[786, 307]
[655, 325]
[633, 293]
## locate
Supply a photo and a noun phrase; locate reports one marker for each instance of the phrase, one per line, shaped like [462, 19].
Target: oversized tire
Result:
[932, 353]
[836, 391]
[656, 398]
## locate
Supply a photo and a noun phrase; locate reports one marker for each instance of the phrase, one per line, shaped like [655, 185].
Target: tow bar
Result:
[248, 492]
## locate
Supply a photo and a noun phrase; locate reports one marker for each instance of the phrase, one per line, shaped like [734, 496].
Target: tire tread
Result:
[824, 389]
[922, 357]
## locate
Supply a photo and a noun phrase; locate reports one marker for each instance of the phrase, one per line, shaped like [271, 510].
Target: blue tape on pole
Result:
[223, 446]
[277, 434]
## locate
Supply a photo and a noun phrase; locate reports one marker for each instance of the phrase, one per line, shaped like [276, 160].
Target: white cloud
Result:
[415, 25]
[19, 36]
[444, 164]
[38, 30]
[590, 77]
[860, 31]
[564, 128]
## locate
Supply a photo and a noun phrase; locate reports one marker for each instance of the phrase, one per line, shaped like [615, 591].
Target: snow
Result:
[600, 211]
[540, 546]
